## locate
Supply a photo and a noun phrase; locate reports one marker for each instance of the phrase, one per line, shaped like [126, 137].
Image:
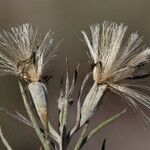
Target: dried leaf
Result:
[17, 116]
[79, 104]
[74, 79]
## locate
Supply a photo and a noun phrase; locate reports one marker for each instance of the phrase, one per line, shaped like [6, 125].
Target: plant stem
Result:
[101, 126]
[45, 144]
[53, 133]
[4, 140]
[82, 136]
[63, 122]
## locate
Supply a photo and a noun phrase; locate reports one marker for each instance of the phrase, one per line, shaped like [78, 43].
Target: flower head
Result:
[115, 60]
[24, 53]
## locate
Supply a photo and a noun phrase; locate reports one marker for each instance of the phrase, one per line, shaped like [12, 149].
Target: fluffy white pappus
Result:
[22, 48]
[135, 99]
[118, 58]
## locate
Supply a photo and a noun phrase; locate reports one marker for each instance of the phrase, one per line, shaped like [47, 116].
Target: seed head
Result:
[24, 53]
[115, 60]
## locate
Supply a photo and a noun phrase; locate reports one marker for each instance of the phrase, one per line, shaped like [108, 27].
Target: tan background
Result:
[67, 18]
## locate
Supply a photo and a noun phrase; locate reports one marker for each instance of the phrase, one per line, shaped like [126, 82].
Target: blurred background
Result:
[67, 18]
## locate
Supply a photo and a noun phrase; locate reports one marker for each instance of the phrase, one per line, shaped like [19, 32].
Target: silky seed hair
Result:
[115, 60]
[24, 52]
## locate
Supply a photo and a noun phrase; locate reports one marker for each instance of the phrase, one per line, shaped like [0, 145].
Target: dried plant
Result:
[113, 61]
[25, 54]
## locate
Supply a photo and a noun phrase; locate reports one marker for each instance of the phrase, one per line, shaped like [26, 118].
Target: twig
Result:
[33, 119]
[4, 140]
[81, 138]
[101, 126]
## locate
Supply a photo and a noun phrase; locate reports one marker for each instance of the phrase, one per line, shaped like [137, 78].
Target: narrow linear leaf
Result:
[74, 79]
[102, 125]
[4, 140]
[17, 116]
[77, 124]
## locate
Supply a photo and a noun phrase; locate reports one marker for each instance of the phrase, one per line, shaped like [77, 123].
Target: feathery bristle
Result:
[23, 47]
[116, 60]
[134, 99]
